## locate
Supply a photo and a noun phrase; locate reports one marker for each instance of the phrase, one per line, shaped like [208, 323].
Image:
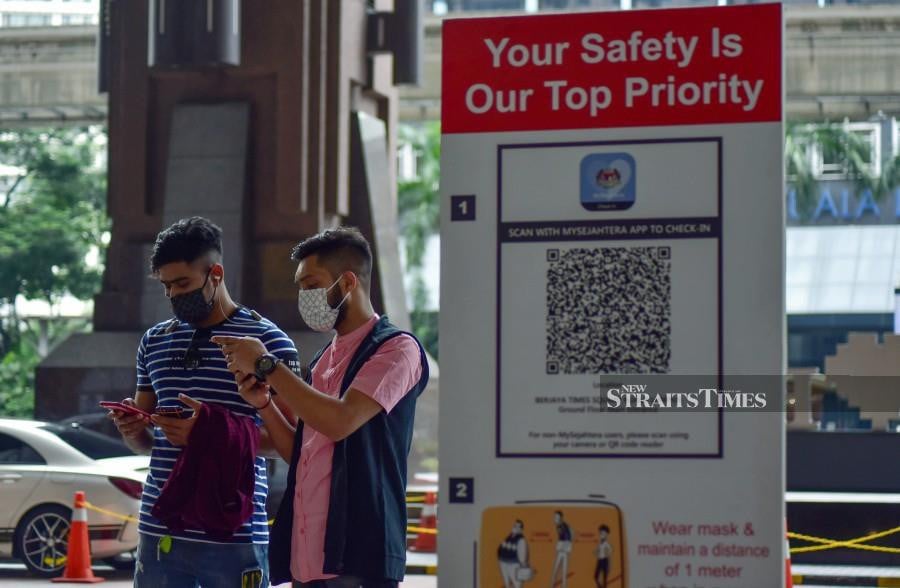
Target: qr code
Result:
[608, 310]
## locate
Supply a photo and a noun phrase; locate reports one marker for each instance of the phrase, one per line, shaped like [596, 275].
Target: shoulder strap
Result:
[314, 361]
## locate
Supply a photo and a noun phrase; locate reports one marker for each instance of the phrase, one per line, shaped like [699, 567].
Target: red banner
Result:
[613, 69]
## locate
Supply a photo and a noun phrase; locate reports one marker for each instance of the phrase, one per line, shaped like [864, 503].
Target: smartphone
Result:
[126, 408]
[170, 411]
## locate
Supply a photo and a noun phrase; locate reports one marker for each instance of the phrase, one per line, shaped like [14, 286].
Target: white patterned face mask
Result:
[315, 310]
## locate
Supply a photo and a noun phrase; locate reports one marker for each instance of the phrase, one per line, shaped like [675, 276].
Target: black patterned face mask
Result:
[192, 307]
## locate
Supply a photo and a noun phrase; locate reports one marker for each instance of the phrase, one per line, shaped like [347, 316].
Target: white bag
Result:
[524, 574]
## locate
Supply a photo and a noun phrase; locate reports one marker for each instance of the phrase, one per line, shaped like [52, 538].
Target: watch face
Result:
[265, 364]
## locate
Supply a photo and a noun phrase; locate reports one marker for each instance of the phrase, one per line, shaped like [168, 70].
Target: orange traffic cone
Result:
[789, 578]
[427, 541]
[78, 556]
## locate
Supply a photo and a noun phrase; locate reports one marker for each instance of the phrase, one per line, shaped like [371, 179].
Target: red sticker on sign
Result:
[613, 69]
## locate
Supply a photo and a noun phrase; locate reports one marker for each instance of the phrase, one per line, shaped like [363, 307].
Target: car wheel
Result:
[42, 540]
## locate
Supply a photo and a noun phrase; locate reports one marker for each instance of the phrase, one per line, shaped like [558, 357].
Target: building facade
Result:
[43, 13]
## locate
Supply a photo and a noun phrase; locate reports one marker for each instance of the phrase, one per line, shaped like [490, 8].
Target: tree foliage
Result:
[53, 215]
[52, 220]
[419, 216]
[806, 144]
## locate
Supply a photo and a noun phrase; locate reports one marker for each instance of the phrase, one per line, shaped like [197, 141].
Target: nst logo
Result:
[607, 181]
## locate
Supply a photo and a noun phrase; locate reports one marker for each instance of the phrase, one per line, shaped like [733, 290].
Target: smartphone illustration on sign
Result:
[577, 544]
[608, 181]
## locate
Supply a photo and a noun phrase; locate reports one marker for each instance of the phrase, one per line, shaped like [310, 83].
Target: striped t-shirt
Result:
[186, 361]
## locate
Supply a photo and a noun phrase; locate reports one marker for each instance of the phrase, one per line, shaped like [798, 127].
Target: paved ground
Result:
[13, 575]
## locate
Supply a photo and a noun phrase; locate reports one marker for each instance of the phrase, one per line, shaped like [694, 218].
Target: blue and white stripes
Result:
[160, 366]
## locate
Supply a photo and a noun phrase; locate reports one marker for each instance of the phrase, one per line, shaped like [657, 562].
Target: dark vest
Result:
[365, 534]
[508, 552]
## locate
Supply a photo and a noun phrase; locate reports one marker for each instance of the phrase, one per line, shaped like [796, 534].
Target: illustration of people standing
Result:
[513, 558]
[563, 550]
[603, 553]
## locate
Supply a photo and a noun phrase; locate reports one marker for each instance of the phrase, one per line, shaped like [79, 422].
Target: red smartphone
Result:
[126, 408]
[170, 411]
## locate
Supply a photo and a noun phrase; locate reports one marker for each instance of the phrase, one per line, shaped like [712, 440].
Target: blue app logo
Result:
[608, 181]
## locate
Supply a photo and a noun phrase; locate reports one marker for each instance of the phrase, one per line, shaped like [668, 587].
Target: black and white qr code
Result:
[608, 310]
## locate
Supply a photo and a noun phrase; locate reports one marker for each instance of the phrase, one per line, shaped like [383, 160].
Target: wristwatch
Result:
[265, 365]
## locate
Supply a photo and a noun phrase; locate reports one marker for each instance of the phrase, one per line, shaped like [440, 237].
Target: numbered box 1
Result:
[462, 207]
[462, 490]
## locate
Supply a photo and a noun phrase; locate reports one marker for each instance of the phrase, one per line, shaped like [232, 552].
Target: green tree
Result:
[419, 216]
[805, 144]
[17, 380]
[52, 220]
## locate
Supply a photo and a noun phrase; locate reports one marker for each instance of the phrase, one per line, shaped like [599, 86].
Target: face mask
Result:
[316, 311]
[192, 307]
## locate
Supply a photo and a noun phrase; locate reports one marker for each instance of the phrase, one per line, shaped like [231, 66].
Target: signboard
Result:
[838, 202]
[612, 233]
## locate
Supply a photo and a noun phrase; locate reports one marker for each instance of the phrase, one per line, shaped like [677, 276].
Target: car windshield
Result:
[90, 443]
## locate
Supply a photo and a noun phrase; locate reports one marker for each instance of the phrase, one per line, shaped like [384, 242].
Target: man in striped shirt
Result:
[178, 366]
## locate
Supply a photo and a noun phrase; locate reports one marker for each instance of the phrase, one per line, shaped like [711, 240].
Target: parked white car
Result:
[42, 465]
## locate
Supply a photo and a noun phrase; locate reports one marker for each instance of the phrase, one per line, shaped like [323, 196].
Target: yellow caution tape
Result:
[422, 530]
[826, 544]
[271, 522]
[116, 515]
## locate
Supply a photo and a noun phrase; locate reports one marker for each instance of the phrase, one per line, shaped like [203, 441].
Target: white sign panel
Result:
[612, 252]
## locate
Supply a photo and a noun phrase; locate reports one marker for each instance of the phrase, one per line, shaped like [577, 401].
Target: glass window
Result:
[831, 158]
[801, 270]
[878, 241]
[872, 298]
[875, 269]
[16, 451]
[797, 299]
[839, 270]
[802, 241]
[834, 298]
[90, 443]
[27, 19]
[77, 19]
[798, 345]
[831, 162]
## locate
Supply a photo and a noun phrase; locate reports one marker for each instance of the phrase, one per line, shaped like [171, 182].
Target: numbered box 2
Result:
[462, 490]
[462, 207]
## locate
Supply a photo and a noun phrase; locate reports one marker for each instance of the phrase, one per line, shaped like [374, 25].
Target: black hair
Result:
[604, 528]
[341, 249]
[186, 240]
[519, 522]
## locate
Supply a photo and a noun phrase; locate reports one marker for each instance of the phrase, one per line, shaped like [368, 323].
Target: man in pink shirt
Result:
[342, 523]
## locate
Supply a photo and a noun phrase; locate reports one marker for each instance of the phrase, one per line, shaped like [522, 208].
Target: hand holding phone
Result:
[129, 409]
[130, 420]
